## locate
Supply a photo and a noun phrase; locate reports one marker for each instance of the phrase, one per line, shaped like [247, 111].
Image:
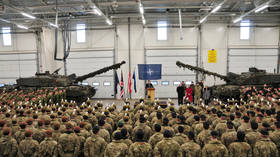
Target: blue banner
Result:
[149, 71]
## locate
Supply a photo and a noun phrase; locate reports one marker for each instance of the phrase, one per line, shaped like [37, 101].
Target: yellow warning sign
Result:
[212, 56]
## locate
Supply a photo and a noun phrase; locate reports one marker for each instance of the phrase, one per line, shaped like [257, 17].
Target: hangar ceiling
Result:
[120, 10]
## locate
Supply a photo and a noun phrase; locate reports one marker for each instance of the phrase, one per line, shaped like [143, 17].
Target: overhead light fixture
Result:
[261, 8]
[54, 25]
[237, 19]
[21, 26]
[141, 9]
[97, 11]
[5, 20]
[202, 20]
[143, 20]
[109, 22]
[28, 15]
[216, 8]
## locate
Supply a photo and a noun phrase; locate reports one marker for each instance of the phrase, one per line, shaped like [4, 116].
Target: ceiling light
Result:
[237, 20]
[54, 25]
[202, 20]
[216, 8]
[261, 8]
[28, 15]
[5, 20]
[141, 9]
[97, 11]
[22, 27]
[143, 20]
[109, 22]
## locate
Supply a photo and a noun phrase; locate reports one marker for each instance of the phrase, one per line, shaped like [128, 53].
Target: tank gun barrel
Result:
[201, 70]
[100, 71]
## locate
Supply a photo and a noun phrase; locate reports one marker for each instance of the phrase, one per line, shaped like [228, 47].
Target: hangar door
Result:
[171, 73]
[82, 63]
[240, 60]
[13, 66]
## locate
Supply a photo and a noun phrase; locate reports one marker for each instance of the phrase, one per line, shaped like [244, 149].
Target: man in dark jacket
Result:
[181, 93]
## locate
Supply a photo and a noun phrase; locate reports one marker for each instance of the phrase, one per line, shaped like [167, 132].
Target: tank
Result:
[74, 91]
[234, 82]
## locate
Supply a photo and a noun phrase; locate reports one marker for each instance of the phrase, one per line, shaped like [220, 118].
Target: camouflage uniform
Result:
[8, 146]
[265, 148]
[28, 148]
[116, 149]
[147, 131]
[229, 137]
[214, 149]
[48, 148]
[140, 149]
[275, 137]
[19, 135]
[69, 145]
[157, 137]
[94, 146]
[237, 149]
[105, 135]
[203, 137]
[180, 138]
[190, 149]
[252, 137]
[221, 127]
[167, 148]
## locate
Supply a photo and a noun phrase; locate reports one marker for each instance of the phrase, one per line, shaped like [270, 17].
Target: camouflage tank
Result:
[234, 82]
[70, 83]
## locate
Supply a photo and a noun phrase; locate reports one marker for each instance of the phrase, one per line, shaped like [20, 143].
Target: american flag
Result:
[122, 89]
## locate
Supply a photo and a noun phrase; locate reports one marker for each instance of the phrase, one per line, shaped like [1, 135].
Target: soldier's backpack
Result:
[5, 147]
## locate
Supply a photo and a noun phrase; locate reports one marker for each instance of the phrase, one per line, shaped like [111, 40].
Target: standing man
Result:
[181, 93]
[192, 87]
[206, 95]
[197, 93]
[148, 85]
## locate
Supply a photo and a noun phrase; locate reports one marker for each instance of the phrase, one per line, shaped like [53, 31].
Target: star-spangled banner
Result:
[149, 71]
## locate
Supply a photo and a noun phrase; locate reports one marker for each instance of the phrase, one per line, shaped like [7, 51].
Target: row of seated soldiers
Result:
[146, 129]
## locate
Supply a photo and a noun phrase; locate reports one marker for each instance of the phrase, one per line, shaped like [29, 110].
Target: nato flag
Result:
[149, 71]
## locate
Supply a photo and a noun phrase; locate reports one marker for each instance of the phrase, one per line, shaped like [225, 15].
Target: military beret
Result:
[69, 126]
[28, 133]
[48, 132]
[77, 129]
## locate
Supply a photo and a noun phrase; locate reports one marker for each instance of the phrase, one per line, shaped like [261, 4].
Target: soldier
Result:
[165, 126]
[265, 147]
[68, 143]
[82, 140]
[180, 137]
[140, 148]
[245, 126]
[157, 136]
[28, 147]
[221, 127]
[167, 147]
[275, 136]
[240, 148]
[147, 130]
[214, 148]
[230, 135]
[95, 145]
[252, 137]
[190, 148]
[8, 145]
[49, 146]
[103, 132]
[125, 137]
[116, 148]
[20, 135]
[197, 93]
[204, 136]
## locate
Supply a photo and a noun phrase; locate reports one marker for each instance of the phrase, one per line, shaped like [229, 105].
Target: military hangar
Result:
[189, 66]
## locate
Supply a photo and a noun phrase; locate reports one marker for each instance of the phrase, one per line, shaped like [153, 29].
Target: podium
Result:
[151, 93]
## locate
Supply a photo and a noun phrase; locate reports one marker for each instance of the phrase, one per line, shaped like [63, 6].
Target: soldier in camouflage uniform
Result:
[204, 136]
[140, 148]
[8, 145]
[48, 147]
[180, 137]
[116, 148]
[20, 134]
[28, 147]
[95, 145]
[167, 147]
[69, 145]
[190, 148]
[157, 136]
[214, 148]
[240, 148]
[252, 137]
[103, 132]
[229, 136]
[147, 130]
[265, 147]
[275, 136]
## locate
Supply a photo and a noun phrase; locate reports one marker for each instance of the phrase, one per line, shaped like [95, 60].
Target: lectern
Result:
[151, 93]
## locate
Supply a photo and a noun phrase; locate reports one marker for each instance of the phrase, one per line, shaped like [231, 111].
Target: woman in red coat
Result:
[189, 94]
